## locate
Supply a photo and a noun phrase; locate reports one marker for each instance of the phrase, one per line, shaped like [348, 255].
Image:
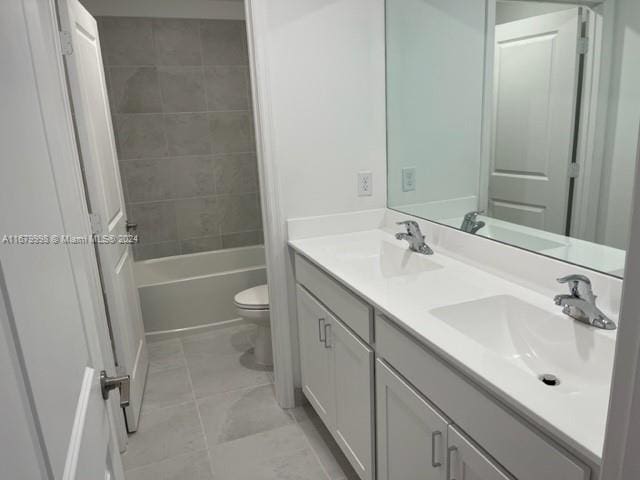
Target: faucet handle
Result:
[410, 225]
[473, 214]
[574, 281]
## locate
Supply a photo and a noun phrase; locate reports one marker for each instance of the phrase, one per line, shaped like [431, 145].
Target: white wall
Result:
[319, 89]
[325, 84]
[220, 9]
[435, 55]
[622, 127]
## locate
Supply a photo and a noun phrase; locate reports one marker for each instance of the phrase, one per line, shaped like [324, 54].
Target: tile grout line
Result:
[195, 400]
[313, 450]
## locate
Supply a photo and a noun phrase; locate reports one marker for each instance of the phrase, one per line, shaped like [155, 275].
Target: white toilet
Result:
[253, 305]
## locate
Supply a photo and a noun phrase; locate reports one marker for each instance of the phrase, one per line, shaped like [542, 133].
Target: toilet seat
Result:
[255, 298]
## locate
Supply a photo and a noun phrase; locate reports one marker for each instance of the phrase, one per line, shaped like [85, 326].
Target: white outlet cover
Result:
[408, 179]
[365, 185]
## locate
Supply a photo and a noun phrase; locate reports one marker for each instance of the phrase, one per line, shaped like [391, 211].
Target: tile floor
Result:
[209, 413]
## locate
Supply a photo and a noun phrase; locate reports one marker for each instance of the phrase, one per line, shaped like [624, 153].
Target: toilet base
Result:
[263, 350]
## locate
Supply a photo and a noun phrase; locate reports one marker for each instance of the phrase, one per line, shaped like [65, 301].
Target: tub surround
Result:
[370, 262]
[180, 99]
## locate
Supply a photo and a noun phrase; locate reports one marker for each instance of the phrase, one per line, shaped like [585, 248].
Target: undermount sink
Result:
[535, 340]
[387, 259]
[396, 261]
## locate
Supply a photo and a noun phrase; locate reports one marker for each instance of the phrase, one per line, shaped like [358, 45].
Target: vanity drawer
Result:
[354, 312]
[516, 445]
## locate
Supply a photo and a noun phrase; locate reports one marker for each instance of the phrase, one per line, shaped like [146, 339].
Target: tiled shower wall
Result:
[180, 100]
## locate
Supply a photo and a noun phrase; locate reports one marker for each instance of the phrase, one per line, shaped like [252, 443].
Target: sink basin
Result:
[396, 261]
[537, 341]
[386, 259]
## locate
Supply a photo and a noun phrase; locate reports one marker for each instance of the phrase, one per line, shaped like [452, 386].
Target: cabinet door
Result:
[353, 384]
[466, 462]
[315, 356]
[412, 436]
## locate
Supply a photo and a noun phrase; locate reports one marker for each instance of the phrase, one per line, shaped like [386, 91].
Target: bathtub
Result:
[190, 293]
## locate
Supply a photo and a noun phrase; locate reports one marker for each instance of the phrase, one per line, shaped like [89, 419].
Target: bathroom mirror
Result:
[524, 111]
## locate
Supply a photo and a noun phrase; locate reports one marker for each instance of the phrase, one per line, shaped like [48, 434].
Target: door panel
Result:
[352, 372]
[106, 202]
[53, 330]
[535, 94]
[315, 357]
[412, 436]
[467, 462]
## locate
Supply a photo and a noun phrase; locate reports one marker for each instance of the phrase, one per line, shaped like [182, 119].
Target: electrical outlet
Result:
[365, 185]
[408, 179]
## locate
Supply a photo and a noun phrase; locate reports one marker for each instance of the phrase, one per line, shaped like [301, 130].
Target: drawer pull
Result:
[434, 435]
[321, 329]
[450, 451]
[327, 332]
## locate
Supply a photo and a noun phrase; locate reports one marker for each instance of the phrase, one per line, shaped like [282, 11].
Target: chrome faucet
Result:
[580, 304]
[470, 223]
[415, 238]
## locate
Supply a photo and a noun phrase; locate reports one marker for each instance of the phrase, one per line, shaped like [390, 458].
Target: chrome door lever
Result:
[122, 382]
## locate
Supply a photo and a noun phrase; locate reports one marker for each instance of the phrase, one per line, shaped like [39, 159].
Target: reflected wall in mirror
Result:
[517, 121]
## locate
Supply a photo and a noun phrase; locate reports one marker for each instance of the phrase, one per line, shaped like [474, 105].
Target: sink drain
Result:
[549, 379]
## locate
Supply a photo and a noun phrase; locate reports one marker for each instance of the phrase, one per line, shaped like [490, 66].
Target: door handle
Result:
[130, 226]
[326, 335]
[450, 450]
[434, 435]
[122, 382]
[321, 330]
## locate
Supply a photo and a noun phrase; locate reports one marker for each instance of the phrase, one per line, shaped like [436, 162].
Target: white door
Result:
[412, 436]
[53, 332]
[466, 462]
[315, 358]
[535, 91]
[106, 201]
[352, 375]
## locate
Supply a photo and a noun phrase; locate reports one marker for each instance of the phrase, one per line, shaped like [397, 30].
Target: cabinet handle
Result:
[326, 335]
[320, 329]
[450, 450]
[434, 435]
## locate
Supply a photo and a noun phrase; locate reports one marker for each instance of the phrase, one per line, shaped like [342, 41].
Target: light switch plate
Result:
[365, 186]
[408, 179]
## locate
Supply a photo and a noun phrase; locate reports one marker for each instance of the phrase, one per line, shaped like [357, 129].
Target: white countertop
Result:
[581, 252]
[575, 417]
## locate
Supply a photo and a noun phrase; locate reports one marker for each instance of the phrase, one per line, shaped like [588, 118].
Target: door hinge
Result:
[65, 42]
[96, 224]
[574, 170]
[583, 45]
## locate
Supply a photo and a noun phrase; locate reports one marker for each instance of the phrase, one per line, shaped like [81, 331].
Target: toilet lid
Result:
[256, 298]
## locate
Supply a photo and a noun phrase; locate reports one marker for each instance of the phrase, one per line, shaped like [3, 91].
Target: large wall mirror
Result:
[517, 121]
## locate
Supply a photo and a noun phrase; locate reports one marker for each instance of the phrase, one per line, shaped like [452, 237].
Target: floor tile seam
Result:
[233, 390]
[168, 459]
[204, 432]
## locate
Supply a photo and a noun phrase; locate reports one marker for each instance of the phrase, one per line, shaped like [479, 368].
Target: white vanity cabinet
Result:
[315, 358]
[467, 462]
[412, 435]
[431, 421]
[337, 379]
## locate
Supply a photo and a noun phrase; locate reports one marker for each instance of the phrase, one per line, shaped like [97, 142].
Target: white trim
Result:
[622, 438]
[181, 332]
[488, 107]
[593, 121]
[279, 265]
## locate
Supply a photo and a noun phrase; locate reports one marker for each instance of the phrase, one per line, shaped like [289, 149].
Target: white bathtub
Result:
[192, 292]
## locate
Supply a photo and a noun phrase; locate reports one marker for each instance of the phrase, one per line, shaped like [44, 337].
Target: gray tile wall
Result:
[180, 99]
